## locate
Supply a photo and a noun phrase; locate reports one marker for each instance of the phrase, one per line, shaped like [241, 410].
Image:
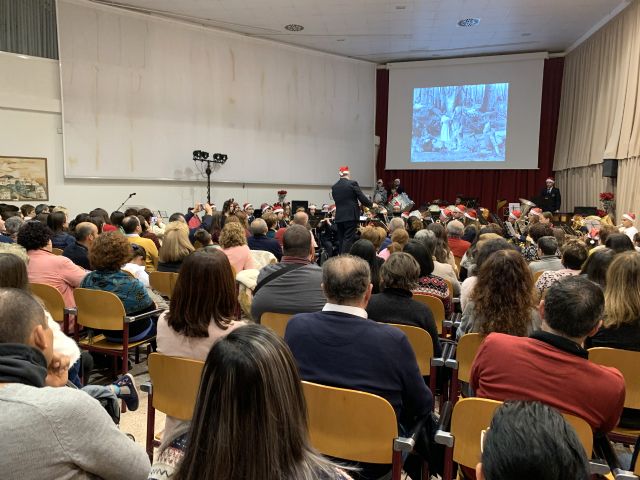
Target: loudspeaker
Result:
[585, 211]
[610, 167]
[296, 204]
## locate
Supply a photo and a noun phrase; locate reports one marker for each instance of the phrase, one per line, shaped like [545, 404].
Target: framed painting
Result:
[23, 179]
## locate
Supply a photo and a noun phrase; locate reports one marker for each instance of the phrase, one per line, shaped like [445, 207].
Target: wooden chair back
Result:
[276, 321]
[537, 275]
[175, 383]
[51, 298]
[349, 424]
[98, 309]
[472, 415]
[422, 345]
[435, 305]
[450, 285]
[628, 363]
[56, 251]
[466, 350]
[163, 282]
[457, 260]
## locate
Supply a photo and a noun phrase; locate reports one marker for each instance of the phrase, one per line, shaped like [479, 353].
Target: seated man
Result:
[548, 255]
[300, 218]
[132, 230]
[78, 252]
[458, 247]
[260, 241]
[551, 365]
[293, 285]
[341, 347]
[52, 432]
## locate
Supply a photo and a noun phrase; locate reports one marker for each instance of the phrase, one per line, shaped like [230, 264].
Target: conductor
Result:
[346, 194]
[549, 199]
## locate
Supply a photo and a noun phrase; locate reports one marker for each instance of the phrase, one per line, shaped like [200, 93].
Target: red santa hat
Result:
[629, 216]
[332, 208]
[265, 206]
[471, 214]
[405, 215]
[515, 214]
[344, 171]
[445, 212]
[536, 211]
[550, 179]
[277, 208]
[460, 208]
[594, 234]
[246, 206]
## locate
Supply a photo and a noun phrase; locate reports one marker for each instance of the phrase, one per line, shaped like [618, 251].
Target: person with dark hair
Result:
[547, 449]
[11, 227]
[57, 222]
[367, 251]
[249, 384]
[116, 219]
[4, 238]
[52, 432]
[195, 321]
[28, 211]
[619, 242]
[536, 232]
[341, 347]
[548, 256]
[78, 252]
[429, 284]
[400, 274]
[81, 217]
[574, 254]
[42, 208]
[293, 285]
[108, 254]
[260, 241]
[442, 251]
[147, 233]
[597, 264]
[554, 360]
[132, 230]
[512, 311]
[442, 270]
[45, 267]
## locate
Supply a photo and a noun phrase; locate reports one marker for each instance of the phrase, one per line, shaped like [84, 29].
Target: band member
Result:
[346, 193]
[550, 199]
[279, 211]
[380, 193]
[628, 227]
[328, 234]
[396, 188]
[314, 218]
[248, 209]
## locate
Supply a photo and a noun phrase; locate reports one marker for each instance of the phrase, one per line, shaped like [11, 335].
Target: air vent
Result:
[292, 27]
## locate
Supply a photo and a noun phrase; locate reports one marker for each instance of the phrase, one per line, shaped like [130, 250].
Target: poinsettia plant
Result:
[607, 199]
[281, 195]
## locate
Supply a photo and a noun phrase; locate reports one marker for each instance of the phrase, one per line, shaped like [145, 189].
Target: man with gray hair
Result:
[12, 225]
[442, 270]
[260, 241]
[458, 247]
[341, 347]
[548, 255]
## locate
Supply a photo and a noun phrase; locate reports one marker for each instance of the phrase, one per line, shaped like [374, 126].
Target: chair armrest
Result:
[443, 435]
[598, 467]
[447, 345]
[450, 361]
[142, 316]
[407, 444]
[624, 475]
[70, 310]
[146, 387]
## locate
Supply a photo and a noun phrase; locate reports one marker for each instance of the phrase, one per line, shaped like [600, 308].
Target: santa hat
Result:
[445, 213]
[344, 171]
[278, 208]
[396, 204]
[515, 214]
[416, 213]
[594, 233]
[460, 208]
[265, 206]
[313, 205]
[536, 211]
[325, 207]
[246, 206]
[550, 179]
[629, 216]
[471, 214]
[405, 215]
[332, 208]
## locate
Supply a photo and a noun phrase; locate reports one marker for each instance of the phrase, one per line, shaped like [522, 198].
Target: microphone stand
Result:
[122, 204]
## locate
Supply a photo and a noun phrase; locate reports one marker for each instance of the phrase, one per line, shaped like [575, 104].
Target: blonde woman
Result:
[234, 244]
[399, 238]
[175, 247]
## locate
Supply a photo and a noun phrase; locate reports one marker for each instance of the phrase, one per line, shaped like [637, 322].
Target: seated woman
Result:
[45, 267]
[429, 284]
[503, 299]
[443, 253]
[367, 251]
[197, 319]
[250, 384]
[176, 246]
[400, 275]
[597, 264]
[574, 254]
[234, 245]
[109, 253]
[399, 238]
[57, 222]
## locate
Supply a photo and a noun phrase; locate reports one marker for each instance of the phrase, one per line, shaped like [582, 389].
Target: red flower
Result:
[282, 192]
[601, 213]
[606, 196]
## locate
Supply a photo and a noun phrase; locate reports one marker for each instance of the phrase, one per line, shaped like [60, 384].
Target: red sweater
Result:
[458, 246]
[552, 370]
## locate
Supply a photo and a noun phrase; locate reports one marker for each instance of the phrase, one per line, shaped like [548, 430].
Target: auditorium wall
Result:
[31, 126]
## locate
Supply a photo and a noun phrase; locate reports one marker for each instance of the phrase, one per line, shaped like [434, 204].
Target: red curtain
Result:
[489, 186]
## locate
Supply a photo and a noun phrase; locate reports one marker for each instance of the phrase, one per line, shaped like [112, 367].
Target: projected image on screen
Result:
[462, 123]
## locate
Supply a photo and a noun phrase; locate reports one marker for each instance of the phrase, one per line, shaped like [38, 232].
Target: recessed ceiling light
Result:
[469, 22]
[292, 27]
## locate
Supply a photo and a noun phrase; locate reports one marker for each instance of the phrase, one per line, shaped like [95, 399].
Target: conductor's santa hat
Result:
[344, 171]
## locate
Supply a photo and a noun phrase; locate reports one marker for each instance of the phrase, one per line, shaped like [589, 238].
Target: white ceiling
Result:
[392, 30]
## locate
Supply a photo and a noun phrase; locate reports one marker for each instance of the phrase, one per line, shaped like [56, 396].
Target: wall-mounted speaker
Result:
[610, 167]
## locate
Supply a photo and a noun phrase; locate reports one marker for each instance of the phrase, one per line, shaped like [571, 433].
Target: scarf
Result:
[22, 364]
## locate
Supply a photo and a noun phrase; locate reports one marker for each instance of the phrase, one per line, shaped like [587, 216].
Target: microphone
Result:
[132, 194]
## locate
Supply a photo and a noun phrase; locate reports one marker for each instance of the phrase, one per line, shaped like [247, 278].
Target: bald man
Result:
[78, 252]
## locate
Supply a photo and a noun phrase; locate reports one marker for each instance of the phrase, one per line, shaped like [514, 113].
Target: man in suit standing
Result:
[549, 197]
[346, 194]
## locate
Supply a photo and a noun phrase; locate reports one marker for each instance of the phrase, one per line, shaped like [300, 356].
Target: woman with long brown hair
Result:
[503, 299]
[442, 252]
[250, 421]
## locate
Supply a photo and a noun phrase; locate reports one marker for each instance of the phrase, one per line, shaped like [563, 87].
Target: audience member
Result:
[132, 229]
[135, 265]
[260, 241]
[44, 266]
[28, 211]
[503, 298]
[293, 285]
[530, 440]
[560, 236]
[394, 305]
[442, 251]
[429, 284]
[250, 384]
[596, 266]
[458, 247]
[57, 222]
[234, 244]
[548, 255]
[554, 360]
[202, 310]
[78, 252]
[147, 233]
[340, 347]
[52, 432]
[12, 225]
[367, 251]
[272, 222]
[443, 270]
[394, 224]
[574, 254]
[175, 247]
[399, 238]
[300, 218]
[536, 232]
[4, 238]
[619, 242]
[42, 208]
[205, 240]
[156, 225]
[376, 235]
[108, 254]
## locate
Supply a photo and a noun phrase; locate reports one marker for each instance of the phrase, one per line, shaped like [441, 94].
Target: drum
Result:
[406, 204]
